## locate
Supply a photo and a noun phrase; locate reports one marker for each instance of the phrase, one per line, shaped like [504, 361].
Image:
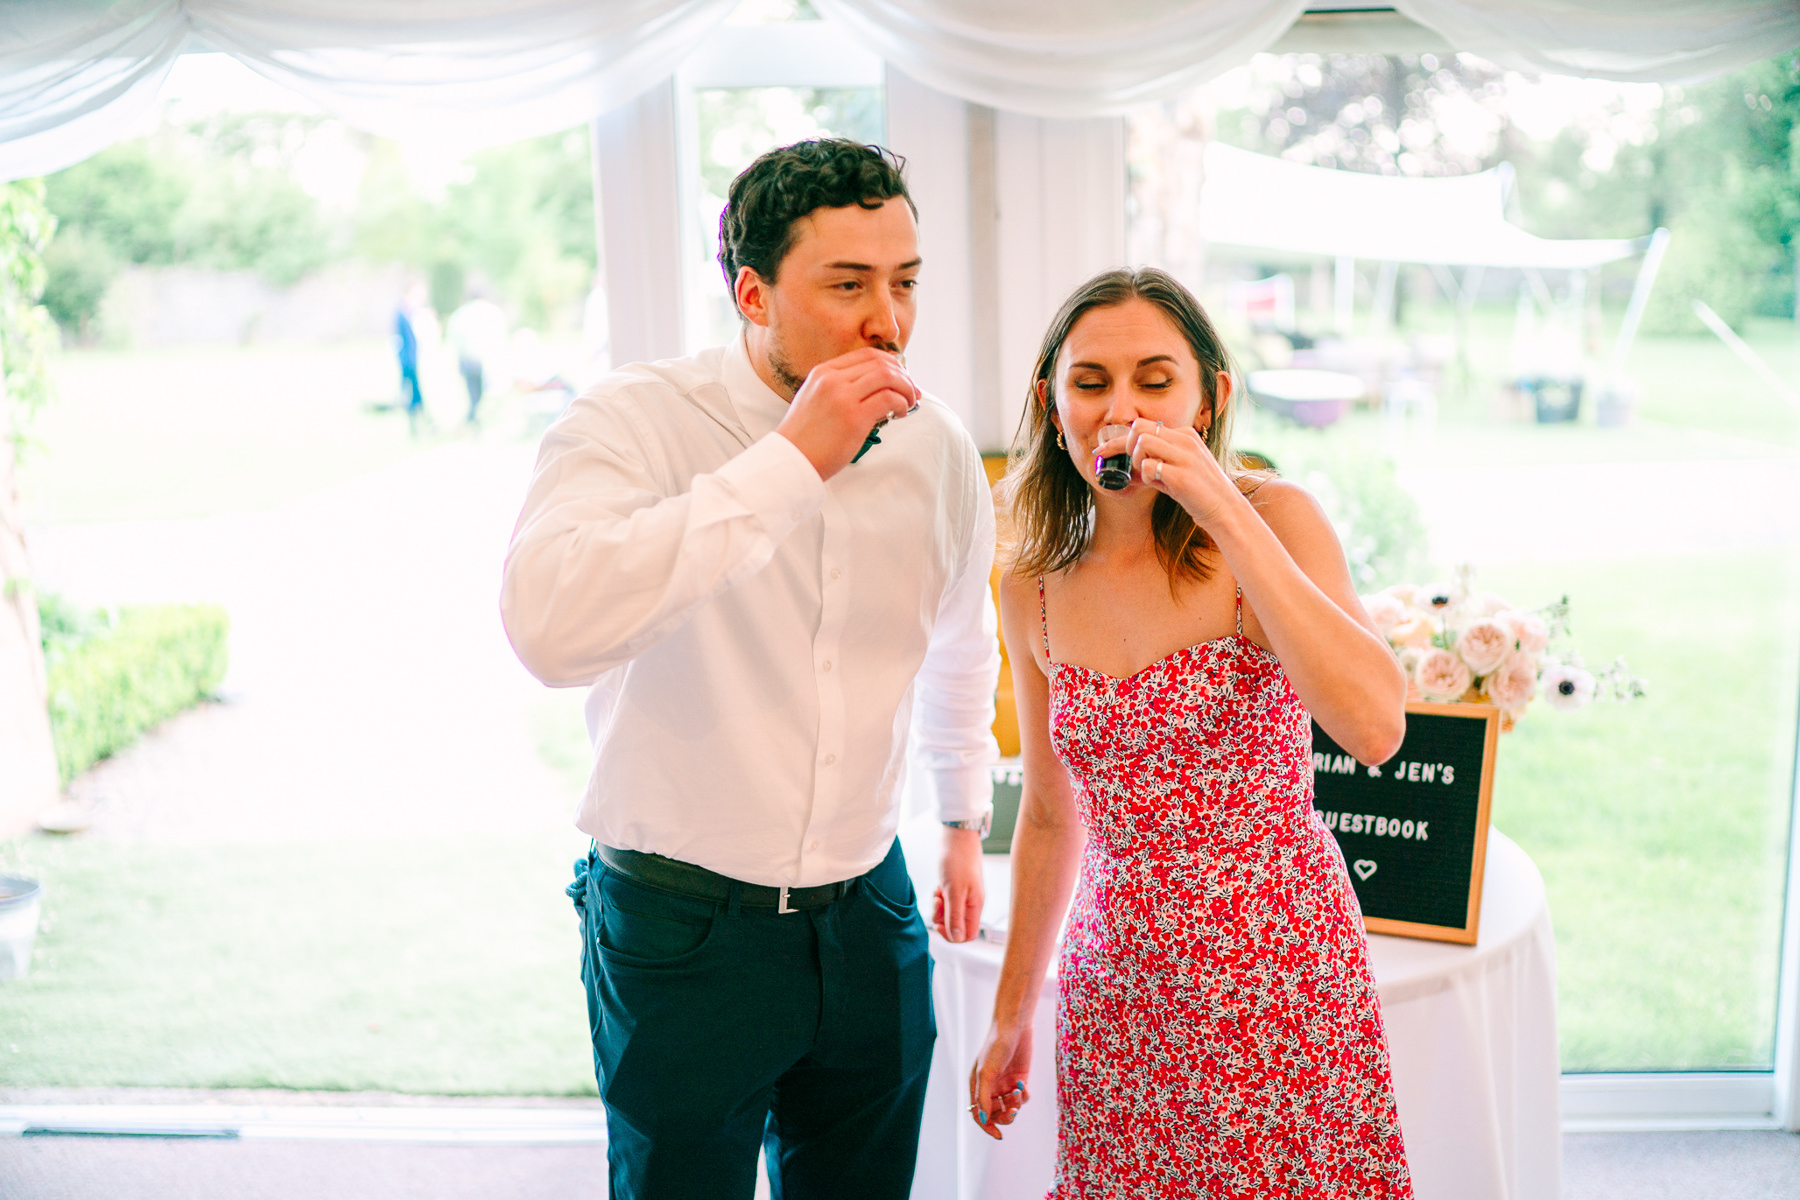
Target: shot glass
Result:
[1114, 472]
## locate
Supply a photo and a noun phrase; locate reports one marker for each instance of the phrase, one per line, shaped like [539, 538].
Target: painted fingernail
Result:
[981, 1117]
[1018, 1087]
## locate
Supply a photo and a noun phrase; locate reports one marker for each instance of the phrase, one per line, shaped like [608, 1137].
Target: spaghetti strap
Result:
[1240, 614]
[1044, 621]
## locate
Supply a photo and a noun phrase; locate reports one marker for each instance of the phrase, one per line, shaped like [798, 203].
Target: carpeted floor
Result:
[1721, 1165]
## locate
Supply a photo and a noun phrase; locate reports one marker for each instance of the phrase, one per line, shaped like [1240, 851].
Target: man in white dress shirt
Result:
[769, 564]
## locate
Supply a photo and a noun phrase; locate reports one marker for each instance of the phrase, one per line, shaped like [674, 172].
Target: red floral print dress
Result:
[1218, 1031]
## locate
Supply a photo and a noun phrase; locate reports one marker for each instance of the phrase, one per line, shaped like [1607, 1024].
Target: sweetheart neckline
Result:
[1169, 657]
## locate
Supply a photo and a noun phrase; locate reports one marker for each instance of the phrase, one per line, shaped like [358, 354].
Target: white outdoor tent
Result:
[1259, 202]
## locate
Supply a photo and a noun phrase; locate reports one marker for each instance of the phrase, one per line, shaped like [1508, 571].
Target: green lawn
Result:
[442, 966]
[1661, 826]
[198, 432]
[210, 431]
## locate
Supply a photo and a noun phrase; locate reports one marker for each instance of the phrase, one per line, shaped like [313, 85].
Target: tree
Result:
[28, 776]
[1414, 114]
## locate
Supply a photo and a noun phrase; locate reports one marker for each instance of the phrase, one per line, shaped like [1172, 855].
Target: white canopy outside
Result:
[75, 74]
[1264, 203]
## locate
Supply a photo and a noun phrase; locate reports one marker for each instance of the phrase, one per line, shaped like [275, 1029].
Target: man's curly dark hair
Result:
[756, 230]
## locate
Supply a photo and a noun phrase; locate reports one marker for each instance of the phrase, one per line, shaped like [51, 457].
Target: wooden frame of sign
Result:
[1410, 827]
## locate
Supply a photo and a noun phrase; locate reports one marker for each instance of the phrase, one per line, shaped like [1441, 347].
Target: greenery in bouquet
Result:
[1460, 645]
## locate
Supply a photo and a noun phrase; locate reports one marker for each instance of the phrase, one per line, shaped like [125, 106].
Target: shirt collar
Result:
[758, 407]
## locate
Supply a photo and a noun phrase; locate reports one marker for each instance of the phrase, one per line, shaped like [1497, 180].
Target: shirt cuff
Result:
[776, 482]
[963, 793]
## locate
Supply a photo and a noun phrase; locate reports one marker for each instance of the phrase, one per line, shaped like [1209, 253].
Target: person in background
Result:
[406, 347]
[1218, 1031]
[769, 607]
[477, 332]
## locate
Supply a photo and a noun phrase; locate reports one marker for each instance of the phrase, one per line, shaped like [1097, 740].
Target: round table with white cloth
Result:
[1472, 1031]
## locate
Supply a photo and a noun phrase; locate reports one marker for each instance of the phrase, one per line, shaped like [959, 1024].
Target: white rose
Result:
[1530, 634]
[1385, 611]
[1403, 592]
[1513, 684]
[1483, 644]
[1442, 676]
[1487, 604]
[1567, 688]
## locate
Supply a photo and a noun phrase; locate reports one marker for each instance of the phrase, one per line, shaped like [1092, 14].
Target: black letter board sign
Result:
[1414, 829]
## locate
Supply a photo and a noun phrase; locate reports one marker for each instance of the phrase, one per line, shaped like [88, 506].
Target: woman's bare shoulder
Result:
[1288, 509]
[1016, 588]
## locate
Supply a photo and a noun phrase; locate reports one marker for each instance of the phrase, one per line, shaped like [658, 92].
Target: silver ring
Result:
[1159, 470]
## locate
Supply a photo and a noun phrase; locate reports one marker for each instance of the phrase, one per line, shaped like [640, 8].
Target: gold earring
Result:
[1060, 444]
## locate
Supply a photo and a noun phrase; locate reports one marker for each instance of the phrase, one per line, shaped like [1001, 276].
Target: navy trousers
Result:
[719, 1029]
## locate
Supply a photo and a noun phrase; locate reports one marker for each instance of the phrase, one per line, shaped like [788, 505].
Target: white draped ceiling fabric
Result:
[75, 74]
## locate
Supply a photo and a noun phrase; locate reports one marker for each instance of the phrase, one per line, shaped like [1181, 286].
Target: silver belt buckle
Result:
[783, 906]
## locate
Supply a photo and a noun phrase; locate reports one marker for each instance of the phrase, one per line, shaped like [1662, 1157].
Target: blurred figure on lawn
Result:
[406, 345]
[478, 333]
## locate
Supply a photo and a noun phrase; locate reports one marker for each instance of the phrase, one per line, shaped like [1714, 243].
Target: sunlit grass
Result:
[436, 965]
[1661, 826]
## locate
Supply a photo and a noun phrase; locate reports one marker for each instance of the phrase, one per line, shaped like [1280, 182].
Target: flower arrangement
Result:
[1461, 645]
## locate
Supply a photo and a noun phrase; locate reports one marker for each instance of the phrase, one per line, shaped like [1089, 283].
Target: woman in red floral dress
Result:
[1218, 1031]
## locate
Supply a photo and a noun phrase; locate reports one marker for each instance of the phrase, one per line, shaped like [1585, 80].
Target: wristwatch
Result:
[980, 825]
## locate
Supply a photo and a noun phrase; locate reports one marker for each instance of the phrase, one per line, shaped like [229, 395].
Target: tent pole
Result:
[1640, 296]
[1384, 296]
[1465, 306]
[1345, 299]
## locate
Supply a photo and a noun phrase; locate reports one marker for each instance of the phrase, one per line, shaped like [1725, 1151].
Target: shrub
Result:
[80, 269]
[127, 675]
[1377, 520]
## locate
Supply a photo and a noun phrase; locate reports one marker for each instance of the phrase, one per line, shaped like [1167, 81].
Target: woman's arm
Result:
[1287, 559]
[1046, 854]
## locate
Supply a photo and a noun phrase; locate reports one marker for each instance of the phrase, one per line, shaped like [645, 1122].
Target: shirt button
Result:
[813, 845]
[826, 666]
[835, 573]
[830, 759]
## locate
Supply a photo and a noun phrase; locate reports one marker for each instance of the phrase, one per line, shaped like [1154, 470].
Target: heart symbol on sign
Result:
[1364, 868]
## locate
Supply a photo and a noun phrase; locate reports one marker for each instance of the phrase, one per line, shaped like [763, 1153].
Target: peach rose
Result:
[1487, 604]
[1514, 683]
[1442, 676]
[1414, 631]
[1530, 634]
[1385, 611]
[1483, 644]
[1403, 592]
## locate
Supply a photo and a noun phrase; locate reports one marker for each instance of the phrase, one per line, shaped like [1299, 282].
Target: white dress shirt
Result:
[759, 644]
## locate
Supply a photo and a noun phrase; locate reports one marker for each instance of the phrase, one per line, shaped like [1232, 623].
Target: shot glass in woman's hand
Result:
[1114, 471]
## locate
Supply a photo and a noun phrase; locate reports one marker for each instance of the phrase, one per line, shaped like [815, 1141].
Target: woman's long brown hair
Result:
[1047, 505]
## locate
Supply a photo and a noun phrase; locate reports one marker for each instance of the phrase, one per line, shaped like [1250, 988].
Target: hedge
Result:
[129, 675]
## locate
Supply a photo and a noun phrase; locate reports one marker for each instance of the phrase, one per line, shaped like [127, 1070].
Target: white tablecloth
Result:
[1472, 1030]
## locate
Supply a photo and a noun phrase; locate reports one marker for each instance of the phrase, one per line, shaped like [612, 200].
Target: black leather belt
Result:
[686, 879]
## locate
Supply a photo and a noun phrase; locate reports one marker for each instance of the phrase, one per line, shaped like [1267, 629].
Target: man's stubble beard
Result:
[782, 369]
